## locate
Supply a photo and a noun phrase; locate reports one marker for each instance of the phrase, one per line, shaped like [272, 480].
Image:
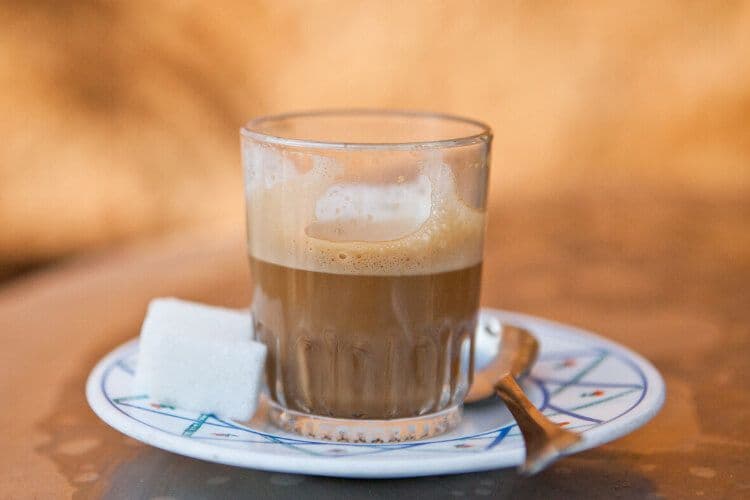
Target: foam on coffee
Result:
[309, 221]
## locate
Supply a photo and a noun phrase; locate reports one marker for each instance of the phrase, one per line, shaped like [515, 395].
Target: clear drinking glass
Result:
[365, 234]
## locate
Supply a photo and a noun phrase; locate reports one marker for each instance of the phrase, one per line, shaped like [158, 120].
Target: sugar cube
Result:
[200, 358]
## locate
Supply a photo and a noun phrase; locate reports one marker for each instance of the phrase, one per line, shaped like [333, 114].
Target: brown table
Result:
[667, 276]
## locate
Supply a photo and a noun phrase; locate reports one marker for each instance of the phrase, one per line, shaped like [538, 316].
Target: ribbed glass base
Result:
[364, 431]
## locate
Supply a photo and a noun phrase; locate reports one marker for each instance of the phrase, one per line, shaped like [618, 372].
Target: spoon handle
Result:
[545, 441]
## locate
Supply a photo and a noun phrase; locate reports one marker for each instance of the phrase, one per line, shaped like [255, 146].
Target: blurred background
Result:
[120, 119]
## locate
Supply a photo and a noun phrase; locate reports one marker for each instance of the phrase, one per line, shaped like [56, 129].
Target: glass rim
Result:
[250, 130]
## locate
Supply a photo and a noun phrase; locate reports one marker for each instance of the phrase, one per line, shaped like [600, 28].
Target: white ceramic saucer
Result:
[581, 381]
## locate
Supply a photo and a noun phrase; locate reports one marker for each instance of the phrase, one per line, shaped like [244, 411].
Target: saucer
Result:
[581, 381]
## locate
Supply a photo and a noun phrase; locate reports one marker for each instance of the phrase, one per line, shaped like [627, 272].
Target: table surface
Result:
[664, 275]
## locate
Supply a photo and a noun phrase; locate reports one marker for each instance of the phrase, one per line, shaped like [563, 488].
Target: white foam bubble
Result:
[360, 212]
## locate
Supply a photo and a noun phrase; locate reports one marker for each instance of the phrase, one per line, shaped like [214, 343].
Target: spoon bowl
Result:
[516, 352]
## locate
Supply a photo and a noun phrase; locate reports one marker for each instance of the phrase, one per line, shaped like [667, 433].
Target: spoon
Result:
[545, 441]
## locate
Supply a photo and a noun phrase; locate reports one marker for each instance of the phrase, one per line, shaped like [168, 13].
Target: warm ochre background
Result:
[119, 119]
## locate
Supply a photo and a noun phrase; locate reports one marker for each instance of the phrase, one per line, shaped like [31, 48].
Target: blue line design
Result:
[500, 436]
[642, 375]
[574, 414]
[609, 398]
[603, 385]
[121, 363]
[105, 376]
[580, 374]
[545, 394]
[169, 414]
[195, 425]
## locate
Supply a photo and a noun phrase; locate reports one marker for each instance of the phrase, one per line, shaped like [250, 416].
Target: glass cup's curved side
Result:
[366, 263]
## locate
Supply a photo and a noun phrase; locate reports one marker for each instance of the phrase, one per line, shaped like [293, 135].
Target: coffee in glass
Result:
[365, 234]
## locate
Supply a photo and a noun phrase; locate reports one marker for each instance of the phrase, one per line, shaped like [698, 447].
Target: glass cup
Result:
[365, 234]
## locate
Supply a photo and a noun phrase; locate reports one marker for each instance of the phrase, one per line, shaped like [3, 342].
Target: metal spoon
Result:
[545, 441]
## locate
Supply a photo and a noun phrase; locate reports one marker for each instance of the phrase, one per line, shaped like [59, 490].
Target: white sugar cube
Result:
[200, 358]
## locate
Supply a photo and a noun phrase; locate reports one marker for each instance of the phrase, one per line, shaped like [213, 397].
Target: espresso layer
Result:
[358, 346]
